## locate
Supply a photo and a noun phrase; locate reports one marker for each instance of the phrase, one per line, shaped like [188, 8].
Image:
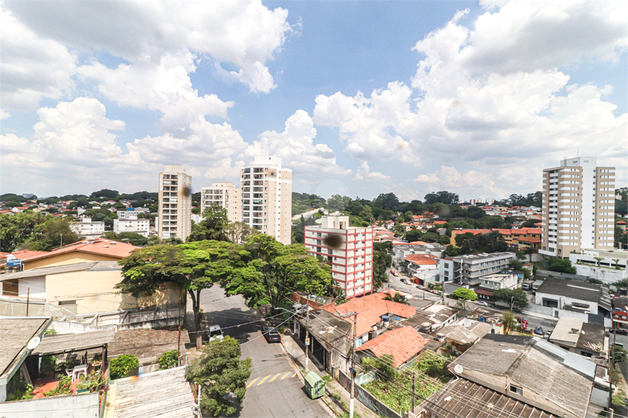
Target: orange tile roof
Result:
[422, 259]
[534, 240]
[440, 222]
[402, 343]
[99, 246]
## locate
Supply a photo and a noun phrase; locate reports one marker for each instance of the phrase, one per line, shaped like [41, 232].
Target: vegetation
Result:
[168, 360]
[302, 202]
[463, 295]
[34, 231]
[620, 355]
[381, 262]
[399, 298]
[516, 298]
[220, 371]
[63, 388]
[562, 265]
[132, 238]
[508, 321]
[18, 389]
[123, 366]
[213, 225]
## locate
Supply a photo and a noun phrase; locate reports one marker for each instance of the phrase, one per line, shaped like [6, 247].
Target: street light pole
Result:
[307, 337]
[352, 371]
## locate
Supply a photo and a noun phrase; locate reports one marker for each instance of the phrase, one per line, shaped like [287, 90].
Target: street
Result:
[396, 284]
[274, 389]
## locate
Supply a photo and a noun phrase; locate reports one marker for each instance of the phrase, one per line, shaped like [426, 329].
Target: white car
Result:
[482, 304]
[405, 281]
[215, 333]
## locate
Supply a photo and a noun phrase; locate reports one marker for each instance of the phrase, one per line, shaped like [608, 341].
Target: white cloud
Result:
[4, 114]
[364, 173]
[295, 145]
[448, 178]
[244, 33]
[32, 67]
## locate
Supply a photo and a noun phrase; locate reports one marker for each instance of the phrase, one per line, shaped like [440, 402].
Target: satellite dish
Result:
[458, 369]
[33, 343]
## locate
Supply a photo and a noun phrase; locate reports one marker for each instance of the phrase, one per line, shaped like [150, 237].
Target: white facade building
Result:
[607, 266]
[578, 207]
[348, 249]
[225, 195]
[175, 203]
[465, 269]
[88, 228]
[267, 197]
[499, 281]
[129, 222]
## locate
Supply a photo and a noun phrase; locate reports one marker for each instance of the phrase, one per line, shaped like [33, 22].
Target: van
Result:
[215, 333]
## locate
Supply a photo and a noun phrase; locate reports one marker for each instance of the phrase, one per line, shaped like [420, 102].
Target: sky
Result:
[357, 97]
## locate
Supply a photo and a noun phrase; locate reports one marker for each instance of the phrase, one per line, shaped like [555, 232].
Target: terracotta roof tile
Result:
[402, 343]
[99, 246]
[421, 259]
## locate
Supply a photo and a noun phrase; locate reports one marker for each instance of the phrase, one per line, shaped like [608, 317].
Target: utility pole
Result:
[352, 371]
[307, 337]
[413, 376]
[61, 241]
[610, 375]
[28, 297]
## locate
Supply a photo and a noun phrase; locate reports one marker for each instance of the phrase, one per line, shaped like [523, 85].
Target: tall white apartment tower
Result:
[226, 195]
[175, 203]
[350, 253]
[578, 207]
[267, 197]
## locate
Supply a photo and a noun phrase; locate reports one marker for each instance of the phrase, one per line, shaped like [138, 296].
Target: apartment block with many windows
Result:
[225, 195]
[350, 253]
[578, 207]
[267, 197]
[175, 203]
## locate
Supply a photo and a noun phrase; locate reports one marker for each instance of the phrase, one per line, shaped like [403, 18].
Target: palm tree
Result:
[508, 321]
[616, 260]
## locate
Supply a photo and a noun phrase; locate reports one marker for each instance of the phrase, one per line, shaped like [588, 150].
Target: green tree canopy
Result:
[398, 297]
[132, 238]
[562, 265]
[220, 372]
[213, 226]
[51, 234]
[463, 295]
[508, 321]
[516, 298]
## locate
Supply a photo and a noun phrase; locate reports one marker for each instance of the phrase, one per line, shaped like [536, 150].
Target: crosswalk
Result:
[273, 377]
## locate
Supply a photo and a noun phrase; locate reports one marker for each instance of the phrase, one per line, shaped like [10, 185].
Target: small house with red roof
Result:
[403, 344]
[422, 267]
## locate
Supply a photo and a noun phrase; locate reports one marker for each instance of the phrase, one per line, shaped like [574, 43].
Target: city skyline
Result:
[357, 98]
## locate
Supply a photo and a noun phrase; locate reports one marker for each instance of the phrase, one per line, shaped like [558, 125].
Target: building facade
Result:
[225, 195]
[351, 256]
[129, 222]
[578, 207]
[88, 228]
[468, 269]
[175, 203]
[267, 197]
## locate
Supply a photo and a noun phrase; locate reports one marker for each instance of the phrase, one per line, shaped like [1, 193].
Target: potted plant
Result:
[83, 386]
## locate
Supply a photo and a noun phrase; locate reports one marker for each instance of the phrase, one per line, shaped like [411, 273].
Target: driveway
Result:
[274, 389]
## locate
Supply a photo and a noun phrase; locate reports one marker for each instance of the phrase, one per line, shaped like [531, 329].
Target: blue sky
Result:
[358, 98]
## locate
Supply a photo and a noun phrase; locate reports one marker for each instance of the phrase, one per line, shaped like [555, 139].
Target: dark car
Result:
[620, 331]
[538, 330]
[271, 333]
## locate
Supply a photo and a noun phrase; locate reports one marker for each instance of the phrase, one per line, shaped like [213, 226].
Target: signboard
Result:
[307, 341]
[14, 262]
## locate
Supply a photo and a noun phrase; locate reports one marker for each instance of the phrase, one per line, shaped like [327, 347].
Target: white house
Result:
[88, 228]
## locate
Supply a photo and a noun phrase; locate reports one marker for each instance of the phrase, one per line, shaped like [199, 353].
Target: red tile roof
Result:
[422, 259]
[533, 240]
[402, 343]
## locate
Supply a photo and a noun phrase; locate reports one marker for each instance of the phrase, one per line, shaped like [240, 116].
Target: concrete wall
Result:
[16, 306]
[561, 275]
[604, 274]
[367, 398]
[71, 406]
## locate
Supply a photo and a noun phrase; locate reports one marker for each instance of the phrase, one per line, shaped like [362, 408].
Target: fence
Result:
[366, 397]
[16, 306]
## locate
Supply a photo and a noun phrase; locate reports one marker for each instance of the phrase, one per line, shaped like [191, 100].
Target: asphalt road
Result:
[623, 339]
[273, 390]
[396, 284]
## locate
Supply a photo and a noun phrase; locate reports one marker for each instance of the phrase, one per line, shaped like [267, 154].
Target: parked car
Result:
[271, 334]
[405, 281]
[215, 333]
[481, 303]
[524, 324]
[620, 331]
[394, 272]
[538, 330]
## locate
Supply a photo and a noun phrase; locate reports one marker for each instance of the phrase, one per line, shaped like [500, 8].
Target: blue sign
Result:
[14, 262]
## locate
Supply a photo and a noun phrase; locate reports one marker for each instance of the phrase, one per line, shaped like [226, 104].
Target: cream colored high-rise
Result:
[175, 203]
[578, 207]
[267, 197]
[226, 195]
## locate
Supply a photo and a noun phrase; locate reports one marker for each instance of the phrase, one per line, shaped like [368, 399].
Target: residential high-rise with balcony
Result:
[578, 207]
[225, 195]
[267, 197]
[175, 203]
[349, 250]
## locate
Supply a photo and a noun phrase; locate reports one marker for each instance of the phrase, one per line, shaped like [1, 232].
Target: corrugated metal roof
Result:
[15, 333]
[65, 268]
[68, 342]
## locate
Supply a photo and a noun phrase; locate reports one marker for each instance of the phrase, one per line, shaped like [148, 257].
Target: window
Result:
[516, 389]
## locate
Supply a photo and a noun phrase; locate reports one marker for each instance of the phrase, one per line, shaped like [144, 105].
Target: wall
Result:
[34, 287]
[366, 397]
[604, 274]
[561, 275]
[66, 258]
[15, 306]
[71, 406]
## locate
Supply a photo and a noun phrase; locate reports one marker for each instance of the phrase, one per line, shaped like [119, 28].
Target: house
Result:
[81, 288]
[535, 372]
[577, 336]
[577, 299]
[91, 249]
[422, 267]
[468, 269]
[88, 228]
[18, 338]
[462, 338]
[489, 284]
[404, 344]
[432, 319]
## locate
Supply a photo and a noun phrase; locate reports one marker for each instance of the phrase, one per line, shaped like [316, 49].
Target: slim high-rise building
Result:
[349, 250]
[226, 195]
[175, 203]
[267, 197]
[578, 207]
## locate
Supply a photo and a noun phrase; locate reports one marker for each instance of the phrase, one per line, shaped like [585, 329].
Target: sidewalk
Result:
[539, 315]
[336, 397]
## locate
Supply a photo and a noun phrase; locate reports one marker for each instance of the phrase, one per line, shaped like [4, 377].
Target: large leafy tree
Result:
[192, 266]
[463, 295]
[381, 262]
[15, 229]
[237, 232]
[213, 226]
[34, 231]
[50, 234]
[516, 298]
[276, 270]
[220, 372]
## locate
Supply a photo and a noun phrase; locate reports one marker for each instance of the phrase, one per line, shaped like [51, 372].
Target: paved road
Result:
[623, 339]
[273, 390]
[395, 283]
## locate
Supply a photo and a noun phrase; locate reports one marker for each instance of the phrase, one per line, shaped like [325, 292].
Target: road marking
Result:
[286, 375]
[278, 374]
[262, 381]
[295, 373]
[251, 384]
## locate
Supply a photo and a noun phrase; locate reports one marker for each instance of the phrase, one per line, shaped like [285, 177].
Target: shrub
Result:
[168, 360]
[123, 366]
[63, 388]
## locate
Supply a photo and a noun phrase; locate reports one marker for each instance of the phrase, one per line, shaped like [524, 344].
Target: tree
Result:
[475, 212]
[237, 232]
[398, 297]
[562, 265]
[514, 297]
[275, 271]
[441, 197]
[508, 321]
[213, 226]
[49, 235]
[106, 193]
[463, 295]
[620, 355]
[132, 238]
[381, 262]
[515, 264]
[192, 266]
[444, 240]
[15, 229]
[220, 372]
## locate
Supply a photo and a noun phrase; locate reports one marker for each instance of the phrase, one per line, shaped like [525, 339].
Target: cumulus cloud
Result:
[4, 114]
[448, 178]
[295, 145]
[364, 173]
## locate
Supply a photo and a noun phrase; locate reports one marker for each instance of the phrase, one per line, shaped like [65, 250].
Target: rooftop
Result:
[51, 344]
[146, 344]
[572, 289]
[422, 259]
[15, 333]
[65, 268]
[402, 343]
